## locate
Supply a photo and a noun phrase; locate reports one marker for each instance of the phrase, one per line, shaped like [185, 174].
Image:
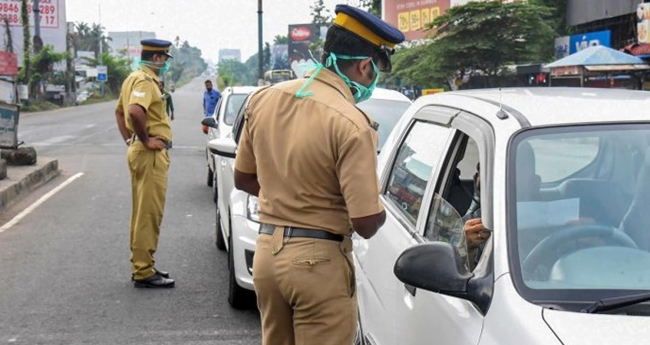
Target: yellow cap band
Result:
[351, 24]
[155, 49]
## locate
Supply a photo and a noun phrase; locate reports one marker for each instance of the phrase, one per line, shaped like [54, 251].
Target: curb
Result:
[21, 180]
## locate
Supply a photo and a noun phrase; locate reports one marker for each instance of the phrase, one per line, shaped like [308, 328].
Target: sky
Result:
[209, 25]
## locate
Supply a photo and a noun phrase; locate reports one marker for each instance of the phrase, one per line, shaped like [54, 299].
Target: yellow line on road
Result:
[38, 202]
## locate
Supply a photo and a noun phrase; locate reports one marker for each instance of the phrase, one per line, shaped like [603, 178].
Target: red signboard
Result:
[8, 64]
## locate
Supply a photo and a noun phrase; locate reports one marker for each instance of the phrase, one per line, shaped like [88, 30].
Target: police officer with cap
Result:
[145, 128]
[309, 154]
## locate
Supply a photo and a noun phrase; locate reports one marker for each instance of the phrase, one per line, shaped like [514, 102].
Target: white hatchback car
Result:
[565, 193]
[237, 220]
[220, 123]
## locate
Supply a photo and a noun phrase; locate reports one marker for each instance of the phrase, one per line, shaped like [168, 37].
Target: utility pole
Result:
[101, 62]
[260, 53]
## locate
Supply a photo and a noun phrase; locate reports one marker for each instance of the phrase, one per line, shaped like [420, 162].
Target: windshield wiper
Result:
[606, 304]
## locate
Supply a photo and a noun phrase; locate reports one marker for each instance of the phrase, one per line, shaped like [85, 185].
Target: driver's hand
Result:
[475, 233]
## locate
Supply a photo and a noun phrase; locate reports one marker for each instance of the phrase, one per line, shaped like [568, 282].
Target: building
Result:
[127, 43]
[229, 54]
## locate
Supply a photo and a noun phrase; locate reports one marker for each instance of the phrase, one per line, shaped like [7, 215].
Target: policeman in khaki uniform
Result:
[309, 154]
[145, 127]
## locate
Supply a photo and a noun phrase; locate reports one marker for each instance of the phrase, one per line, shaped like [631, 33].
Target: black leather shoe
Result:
[154, 282]
[163, 274]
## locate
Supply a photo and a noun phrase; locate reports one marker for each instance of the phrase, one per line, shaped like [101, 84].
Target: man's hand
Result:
[475, 233]
[172, 117]
[154, 143]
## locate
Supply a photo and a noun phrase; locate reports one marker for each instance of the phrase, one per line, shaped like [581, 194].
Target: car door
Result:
[225, 177]
[429, 315]
[414, 159]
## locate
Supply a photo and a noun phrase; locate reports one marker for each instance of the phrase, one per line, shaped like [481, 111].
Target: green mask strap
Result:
[301, 92]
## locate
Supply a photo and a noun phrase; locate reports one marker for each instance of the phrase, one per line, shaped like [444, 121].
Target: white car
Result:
[565, 193]
[237, 220]
[220, 124]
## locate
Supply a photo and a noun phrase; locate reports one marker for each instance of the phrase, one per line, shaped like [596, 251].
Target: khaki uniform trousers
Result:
[148, 188]
[306, 290]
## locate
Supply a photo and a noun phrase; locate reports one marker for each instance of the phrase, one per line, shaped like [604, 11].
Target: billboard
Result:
[643, 23]
[582, 41]
[8, 64]
[53, 25]
[301, 36]
[411, 17]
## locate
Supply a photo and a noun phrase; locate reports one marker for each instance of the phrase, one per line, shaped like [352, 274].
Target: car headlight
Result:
[252, 208]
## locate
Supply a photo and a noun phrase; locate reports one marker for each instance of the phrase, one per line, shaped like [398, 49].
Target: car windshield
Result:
[386, 113]
[579, 201]
[235, 102]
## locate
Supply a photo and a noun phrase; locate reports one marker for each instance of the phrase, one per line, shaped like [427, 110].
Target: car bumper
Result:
[244, 232]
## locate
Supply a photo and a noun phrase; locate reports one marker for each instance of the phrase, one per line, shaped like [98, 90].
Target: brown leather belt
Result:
[290, 231]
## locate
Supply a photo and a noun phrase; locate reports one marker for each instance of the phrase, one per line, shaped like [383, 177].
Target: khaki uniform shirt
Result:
[141, 88]
[315, 157]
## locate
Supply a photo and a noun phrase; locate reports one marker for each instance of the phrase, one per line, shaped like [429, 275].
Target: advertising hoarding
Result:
[8, 64]
[582, 41]
[8, 126]
[301, 36]
[411, 17]
[52, 24]
[643, 23]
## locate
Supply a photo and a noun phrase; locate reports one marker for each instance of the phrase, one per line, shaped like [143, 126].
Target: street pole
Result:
[260, 60]
[37, 19]
[101, 62]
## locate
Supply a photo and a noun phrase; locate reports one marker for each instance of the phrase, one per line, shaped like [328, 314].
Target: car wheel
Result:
[210, 177]
[221, 243]
[238, 297]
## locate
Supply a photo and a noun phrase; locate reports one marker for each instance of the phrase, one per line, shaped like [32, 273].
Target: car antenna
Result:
[501, 114]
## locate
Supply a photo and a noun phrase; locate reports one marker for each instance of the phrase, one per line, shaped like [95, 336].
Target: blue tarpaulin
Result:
[597, 55]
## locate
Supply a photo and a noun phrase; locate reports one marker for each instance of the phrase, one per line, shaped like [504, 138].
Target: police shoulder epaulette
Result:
[374, 125]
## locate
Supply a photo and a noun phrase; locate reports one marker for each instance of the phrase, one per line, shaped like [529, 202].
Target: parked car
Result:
[237, 219]
[220, 124]
[564, 191]
[83, 96]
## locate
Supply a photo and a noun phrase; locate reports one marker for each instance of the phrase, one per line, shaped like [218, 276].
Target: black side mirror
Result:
[433, 266]
[209, 121]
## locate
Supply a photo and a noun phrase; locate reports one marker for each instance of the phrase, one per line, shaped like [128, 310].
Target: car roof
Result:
[392, 95]
[543, 106]
[240, 89]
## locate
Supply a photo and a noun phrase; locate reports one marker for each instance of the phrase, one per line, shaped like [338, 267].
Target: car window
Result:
[238, 124]
[589, 230]
[458, 198]
[415, 160]
[233, 105]
[580, 152]
[386, 113]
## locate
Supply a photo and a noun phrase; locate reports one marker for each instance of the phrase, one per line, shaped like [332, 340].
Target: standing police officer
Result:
[144, 126]
[310, 155]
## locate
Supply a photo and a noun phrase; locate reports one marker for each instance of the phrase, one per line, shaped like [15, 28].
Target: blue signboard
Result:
[582, 41]
[8, 126]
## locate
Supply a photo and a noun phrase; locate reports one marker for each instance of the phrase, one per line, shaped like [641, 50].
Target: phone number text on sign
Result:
[48, 12]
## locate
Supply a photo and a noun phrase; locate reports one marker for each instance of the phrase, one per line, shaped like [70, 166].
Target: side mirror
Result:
[224, 147]
[434, 266]
[209, 121]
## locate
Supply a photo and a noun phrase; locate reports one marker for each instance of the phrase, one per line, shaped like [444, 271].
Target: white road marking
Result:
[38, 202]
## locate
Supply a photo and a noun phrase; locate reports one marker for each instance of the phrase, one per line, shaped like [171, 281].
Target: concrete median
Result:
[21, 180]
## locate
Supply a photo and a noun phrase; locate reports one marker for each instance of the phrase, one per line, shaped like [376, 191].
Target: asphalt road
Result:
[64, 268]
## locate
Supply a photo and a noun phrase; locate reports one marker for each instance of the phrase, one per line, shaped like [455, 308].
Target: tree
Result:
[373, 6]
[320, 13]
[480, 38]
[233, 72]
[279, 39]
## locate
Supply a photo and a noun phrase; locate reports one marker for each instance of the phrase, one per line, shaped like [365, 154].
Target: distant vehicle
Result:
[278, 75]
[83, 96]
[220, 124]
[237, 222]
